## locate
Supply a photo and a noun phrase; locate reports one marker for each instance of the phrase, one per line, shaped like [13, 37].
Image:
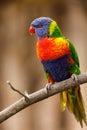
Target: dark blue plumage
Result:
[58, 68]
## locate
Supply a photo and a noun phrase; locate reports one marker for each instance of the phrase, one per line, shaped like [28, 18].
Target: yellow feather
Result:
[72, 99]
[63, 100]
[52, 27]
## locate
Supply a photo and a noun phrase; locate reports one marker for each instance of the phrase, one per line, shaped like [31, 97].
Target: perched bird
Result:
[60, 61]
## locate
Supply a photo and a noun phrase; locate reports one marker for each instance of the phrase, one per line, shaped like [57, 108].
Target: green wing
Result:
[74, 53]
[75, 67]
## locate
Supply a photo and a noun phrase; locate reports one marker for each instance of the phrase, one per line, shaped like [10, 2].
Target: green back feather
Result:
[73, 52]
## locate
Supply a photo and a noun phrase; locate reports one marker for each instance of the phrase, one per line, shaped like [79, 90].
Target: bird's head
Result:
[44, 27]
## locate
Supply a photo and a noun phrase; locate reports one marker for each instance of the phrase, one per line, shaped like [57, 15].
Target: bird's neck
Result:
[54, 30]
[56, 33]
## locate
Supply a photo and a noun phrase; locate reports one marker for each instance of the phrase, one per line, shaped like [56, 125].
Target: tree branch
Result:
[41, 95]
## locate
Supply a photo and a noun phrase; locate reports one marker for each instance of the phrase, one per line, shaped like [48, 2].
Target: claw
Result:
[48, 87]
[26, 96]
[75, 78]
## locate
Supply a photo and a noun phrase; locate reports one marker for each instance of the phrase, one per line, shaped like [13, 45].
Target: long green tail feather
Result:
[72, 99]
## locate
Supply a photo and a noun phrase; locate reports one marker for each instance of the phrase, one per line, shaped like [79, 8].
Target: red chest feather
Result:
[52, 48]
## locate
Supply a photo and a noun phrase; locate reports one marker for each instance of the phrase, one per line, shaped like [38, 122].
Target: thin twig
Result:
[18, 91]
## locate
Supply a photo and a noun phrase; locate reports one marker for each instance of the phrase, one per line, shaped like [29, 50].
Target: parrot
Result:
[60, 61]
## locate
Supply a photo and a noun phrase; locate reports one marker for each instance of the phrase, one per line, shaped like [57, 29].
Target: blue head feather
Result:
[41, 26]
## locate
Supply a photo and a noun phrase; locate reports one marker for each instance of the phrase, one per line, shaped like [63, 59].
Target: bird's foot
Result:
[75, 78]
[26, 96]
[48, 87]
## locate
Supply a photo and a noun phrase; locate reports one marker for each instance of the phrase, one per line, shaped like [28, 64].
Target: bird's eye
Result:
[39, 26]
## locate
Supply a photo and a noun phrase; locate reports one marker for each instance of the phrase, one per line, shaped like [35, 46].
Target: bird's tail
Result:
[72, 99]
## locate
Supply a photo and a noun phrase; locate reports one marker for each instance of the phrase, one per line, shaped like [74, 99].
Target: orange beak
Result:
[31, 30]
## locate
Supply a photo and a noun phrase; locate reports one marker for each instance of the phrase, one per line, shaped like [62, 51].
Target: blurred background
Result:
[19, 63]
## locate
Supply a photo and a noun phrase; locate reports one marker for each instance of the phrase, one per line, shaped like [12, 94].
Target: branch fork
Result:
[25, 95]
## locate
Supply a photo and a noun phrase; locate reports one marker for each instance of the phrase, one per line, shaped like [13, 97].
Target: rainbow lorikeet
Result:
[60, 61]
